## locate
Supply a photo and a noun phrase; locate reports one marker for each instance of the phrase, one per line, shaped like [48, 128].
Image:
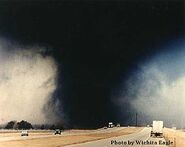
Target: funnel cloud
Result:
[81, 65]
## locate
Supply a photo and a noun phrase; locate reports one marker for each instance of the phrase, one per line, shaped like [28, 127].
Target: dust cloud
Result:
[157, 88]
[27, 82]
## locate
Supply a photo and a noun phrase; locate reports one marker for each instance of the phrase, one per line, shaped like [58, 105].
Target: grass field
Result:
[177, 136]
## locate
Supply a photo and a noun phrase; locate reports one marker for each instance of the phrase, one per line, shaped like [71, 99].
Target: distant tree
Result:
[10, 125]
[52, 127]
[42, 127]
[24, 125]
[59, 126]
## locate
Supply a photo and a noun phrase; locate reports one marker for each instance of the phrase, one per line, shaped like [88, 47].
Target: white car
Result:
[24, 133]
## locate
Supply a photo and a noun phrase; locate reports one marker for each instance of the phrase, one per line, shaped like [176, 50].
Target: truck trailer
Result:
[157, 129]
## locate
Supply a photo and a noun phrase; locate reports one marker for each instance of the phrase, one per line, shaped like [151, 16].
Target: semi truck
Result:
[157, 129]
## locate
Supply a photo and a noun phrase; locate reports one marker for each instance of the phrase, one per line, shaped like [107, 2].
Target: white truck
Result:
[157, 129]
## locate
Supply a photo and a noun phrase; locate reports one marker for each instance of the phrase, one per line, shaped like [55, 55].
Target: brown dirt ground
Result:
[176, 136]
[74, 138]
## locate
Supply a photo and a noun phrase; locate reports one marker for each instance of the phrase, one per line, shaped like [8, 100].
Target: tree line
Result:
[24, 125]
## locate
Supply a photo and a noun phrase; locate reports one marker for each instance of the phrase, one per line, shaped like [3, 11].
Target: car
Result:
[58, 131]
[118, 125]
[24, 133]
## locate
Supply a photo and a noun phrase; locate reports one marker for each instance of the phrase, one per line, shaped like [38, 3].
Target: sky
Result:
[97, 57]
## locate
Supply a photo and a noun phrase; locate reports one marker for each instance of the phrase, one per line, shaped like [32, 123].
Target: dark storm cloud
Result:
[96, 45]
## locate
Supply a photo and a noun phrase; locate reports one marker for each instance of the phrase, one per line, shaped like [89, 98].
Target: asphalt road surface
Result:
[139, 139]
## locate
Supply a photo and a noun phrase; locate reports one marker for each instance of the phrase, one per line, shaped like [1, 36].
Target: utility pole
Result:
[136, 119]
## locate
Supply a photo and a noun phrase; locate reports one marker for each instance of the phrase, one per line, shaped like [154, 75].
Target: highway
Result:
[139, 139]
[111, 137]
[46, 138]
[17, 136]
